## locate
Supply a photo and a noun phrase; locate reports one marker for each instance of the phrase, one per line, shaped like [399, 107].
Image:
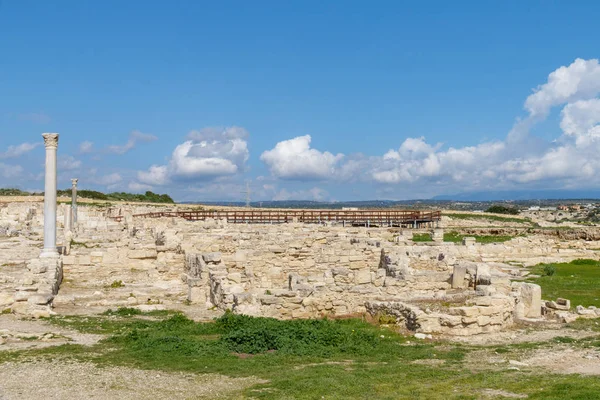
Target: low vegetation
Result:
[148, 197]
[498, 209]
[312, 359]
[456, 237]
[487, 217]
[576, 281]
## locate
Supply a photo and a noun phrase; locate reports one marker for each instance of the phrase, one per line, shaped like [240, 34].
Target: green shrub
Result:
[496, 209]
[117, 284]
[123, 311]
[584, 261]
[549, 270]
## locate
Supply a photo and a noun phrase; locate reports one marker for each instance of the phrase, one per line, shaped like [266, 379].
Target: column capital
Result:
[74, 181]
[50, 140]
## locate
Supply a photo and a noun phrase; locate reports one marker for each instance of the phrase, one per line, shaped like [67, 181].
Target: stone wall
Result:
[283, 271]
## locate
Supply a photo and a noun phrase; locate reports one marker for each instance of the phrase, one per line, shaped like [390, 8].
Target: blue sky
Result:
[338, 100]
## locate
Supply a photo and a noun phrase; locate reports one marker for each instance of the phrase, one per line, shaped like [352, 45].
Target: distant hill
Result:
[517, 195]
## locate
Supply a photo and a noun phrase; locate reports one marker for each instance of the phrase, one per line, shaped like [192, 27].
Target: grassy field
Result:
[311, 359]
[487, 217]
[455, 237]
[577, 281]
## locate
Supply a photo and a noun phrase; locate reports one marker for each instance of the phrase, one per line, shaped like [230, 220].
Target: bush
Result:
[123, 312]
[549, 270]
[253, 335]
[502, 210]
[584, 261]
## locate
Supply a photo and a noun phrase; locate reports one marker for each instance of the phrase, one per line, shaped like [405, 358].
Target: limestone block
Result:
[96, 257]
[213, 257]
[484, 276]
[483, 301]
[531, 296]
[69, 260]
[559, 304]
[6, 299]
[362, 277]
[458, 276]
[84, 260]
[581, 310]
[235, 289]
[235, 277]
[40, 298]
[141, 254]
[468, 311]
[469, 241]
[269, 300]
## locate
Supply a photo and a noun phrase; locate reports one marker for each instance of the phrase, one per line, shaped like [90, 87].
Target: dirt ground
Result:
[72, 380]
[69, 380]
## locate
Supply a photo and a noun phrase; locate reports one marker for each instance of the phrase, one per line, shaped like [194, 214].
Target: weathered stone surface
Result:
[458, 276]
[531, 297]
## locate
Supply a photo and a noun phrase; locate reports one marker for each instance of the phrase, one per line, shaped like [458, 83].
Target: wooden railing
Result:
[361, 217]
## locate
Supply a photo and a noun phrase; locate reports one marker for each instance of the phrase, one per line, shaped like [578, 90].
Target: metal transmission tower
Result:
[247, 192]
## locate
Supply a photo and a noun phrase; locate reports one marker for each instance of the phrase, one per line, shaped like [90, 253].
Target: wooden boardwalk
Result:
[400, 218]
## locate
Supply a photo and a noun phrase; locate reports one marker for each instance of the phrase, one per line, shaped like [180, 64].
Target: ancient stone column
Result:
[74, 199]
[51, 142]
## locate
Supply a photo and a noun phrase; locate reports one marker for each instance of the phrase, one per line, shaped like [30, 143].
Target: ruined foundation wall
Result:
[285, 271]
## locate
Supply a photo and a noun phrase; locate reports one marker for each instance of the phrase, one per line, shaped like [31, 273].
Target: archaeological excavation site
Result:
[235, 302]
[287, 264]
[134, 256]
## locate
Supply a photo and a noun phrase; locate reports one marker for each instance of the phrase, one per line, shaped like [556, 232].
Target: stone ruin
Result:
[284, 271]
[106, 258]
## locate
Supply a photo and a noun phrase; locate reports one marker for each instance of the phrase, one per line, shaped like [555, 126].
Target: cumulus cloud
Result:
[68, 163]
[521, 159]
[10, 171]
[137, 187]
[135, 137]
[19, 150]
[86, 147]
[156, 175]
[109, 180]
[294, 159]
[206, 154]
[571, 158]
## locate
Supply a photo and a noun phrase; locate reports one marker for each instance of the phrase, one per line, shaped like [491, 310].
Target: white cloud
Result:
[578, 81]
[315, 194]
[19, 150]
[294, 159]
[571, 159]
[207, 154]
[138, 187]
[86, 147]
[109, 180]
[10, 171]
[156, 175]
[135, 137]
[68, 163]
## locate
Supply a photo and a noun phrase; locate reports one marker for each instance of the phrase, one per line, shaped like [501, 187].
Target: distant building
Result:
[349, 208]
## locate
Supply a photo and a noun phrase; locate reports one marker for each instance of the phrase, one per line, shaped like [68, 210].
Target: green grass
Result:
[309, 359]
[455, 237]
[577, 281]
[488, 218]
[422, 237]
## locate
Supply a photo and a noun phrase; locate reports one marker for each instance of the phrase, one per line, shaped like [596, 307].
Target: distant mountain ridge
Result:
[521, 195]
